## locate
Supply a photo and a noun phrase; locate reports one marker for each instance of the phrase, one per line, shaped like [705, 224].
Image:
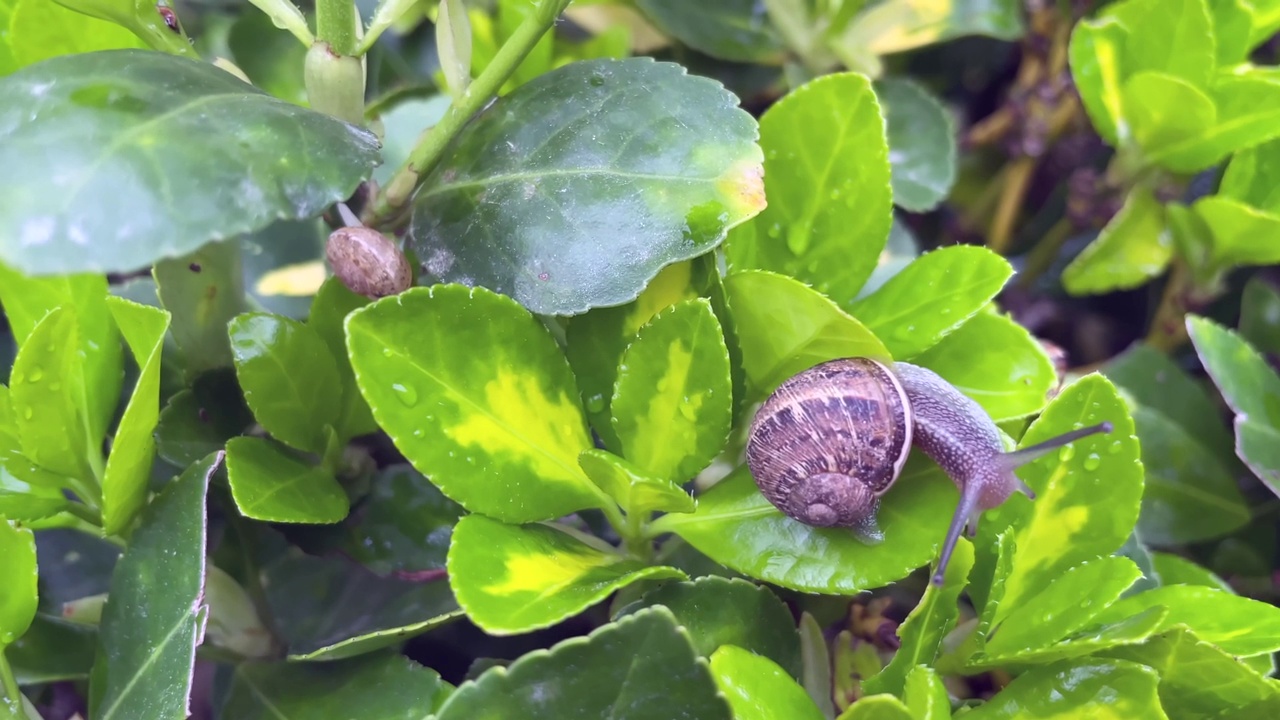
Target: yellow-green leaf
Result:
[634, 489]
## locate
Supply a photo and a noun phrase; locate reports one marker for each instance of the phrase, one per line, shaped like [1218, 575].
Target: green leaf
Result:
[575, 189]
[826, 174]
[1077, 688]
[1090, 641]
[1199, 680]
[1253, 177]
[758, 689]
[1189, 494]
[273, 60]
[1087, 494]
[26, 302]
[48, 381]
[200, 420]
[641, 667]
[36, 30]
[736, 30]
[269, 483]
[28, 493]
[1242, 235]
[1232, 26]
[204, 290]
[124, 487]
[1095, 52]
[1238, 625]
[921, 634]
[329, 310]
[154, 618]
[1177, 570]
[877, 707]
[1066, 604]
[403, 525]
[722, 612]
[290, 378]
[1250, 387]
[453, 43]
[925, 695]
[19, 575]
[52, 650]
[1248, 113]
[385, 686]
[931, 297]
[1134, 247]
[922, 144]
[896, 25]
[635, 490]
[673, 402]
[115, 114]
[737, 527]
[502, 427]
[514, 578]
[1168, 36]
[329, 609]
[997, 362]
[785, 328]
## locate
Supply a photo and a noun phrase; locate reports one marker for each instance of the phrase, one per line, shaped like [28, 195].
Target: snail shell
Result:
[368, 262]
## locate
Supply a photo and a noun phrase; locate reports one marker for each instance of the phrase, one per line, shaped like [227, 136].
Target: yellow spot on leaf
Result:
[298, 280]
[670, 436]
[670, 286]
[544, 574]
[743, 187]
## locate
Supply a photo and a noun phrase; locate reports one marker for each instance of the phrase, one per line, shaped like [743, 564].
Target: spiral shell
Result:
[830, 441]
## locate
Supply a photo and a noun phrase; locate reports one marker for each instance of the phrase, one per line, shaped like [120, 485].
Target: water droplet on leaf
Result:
[595, 403]
[1092, 462]
[1067, 453]
[407, 395]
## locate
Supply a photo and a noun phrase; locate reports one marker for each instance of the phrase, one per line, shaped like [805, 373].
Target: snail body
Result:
[832, 440]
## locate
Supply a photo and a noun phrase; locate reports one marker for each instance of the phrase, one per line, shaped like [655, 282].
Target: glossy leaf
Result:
[737, 30]
[1159, 384]
[52, 422]
[877, 707]
[634, 489]
[1134, 247]
[641, 667]
[403, 525]
[289, 377]
[722, 612]
[1250, 387]
[154, 618]
[124, 487]
[1079, 688]
[19, 574]
[273, 60]
[826, 174]
[204, 290]
[332, 304]
[922, 144]
[925, 695]
[921, 634]
[932, 297]
[1260, 315]
[1238, 625]
[512, 578]
[28, 492]
[269, 483]
[1091, 641]
[1087, 494]
[1252, 176]
[1168, 36]
[785, 328]
[329, 609]
[673, 402]
[119, 112]
[566, 221]
[897, 25]
[1166, 110]
[386, 686]
[1248, 108]
[477, 395]
[1241, 235]
[737, 527]
[1177, 570]
[1095, 54]
[758, 689]
[997, 363]
[200, 420]
[36, 30]
[52, 650]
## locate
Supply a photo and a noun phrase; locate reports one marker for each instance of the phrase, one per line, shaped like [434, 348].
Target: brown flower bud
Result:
[368, 262]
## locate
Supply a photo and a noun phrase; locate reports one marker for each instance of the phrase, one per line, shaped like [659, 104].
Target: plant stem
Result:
[1015, 187]
[636, 541]
[85, 513]
[336, 25]
[1043, 254]
[12, 694]
[430, 148]
[1168, 327]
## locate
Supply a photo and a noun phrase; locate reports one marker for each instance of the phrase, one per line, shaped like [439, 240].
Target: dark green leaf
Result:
[1238, 625]
[719, 612]
[575, 189]
[634, 489]
[203, 289]
[641, 667]
[785, 328]
[758, 688]
[673, 403]
[269, 483]
[404, 524]
[1078, 688]
[289, 377]
[200, 420]
[737, 30]
[124, 486]
[384, 686]
[515, 578]
[1161, 385]
[52, 650]
[922, 632]
[1260, 315]
[329, 609]
[329, 311]
[922, 144]
[1250, 387]
[154, 618]
[18, 576]
[1133, 248]
[273, 60]
[931, 297]
[73, 565]
[827, 179]
[119, 113]
[477, 395]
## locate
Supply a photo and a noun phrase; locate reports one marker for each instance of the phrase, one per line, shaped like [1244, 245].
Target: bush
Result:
[404, 361]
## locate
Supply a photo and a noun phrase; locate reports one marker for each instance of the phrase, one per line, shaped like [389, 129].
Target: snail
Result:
[830, 441]
[365, 260]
